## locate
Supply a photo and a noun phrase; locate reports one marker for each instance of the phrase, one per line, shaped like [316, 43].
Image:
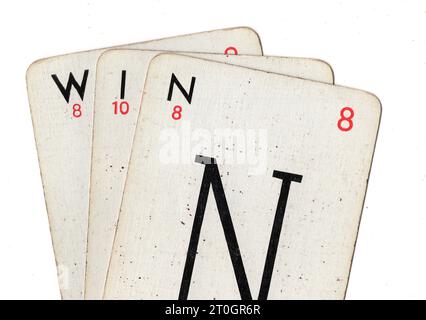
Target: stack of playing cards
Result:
[194, 167]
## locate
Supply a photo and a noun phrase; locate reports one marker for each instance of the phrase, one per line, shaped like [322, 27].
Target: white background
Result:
[379, 46]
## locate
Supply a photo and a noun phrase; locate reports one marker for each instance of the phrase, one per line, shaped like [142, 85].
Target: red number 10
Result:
[122, 107]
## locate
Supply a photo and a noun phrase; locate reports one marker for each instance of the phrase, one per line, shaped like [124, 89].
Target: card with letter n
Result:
[61, 95]
[120, 81]
[242, 184]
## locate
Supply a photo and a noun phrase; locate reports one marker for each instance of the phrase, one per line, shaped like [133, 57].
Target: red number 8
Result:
[346, 119]
[76, 110]
[177, 112]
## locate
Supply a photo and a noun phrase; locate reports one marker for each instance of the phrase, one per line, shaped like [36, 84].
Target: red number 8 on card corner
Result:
[345, 122]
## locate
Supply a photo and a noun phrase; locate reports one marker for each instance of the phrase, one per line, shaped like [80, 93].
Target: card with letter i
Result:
[119, 86]
[61, 96]
[242, 184]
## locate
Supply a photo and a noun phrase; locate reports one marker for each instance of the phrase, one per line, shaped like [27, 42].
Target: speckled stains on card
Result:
[116, 137]
[61, 95]
[322, 211]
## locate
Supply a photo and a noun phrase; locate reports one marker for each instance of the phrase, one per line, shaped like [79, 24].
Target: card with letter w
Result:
[61, 96]
[242, 184]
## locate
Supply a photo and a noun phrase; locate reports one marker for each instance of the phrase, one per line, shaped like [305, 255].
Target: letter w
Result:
[66, 92]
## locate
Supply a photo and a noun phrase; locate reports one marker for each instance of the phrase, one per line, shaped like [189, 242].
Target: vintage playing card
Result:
[242, 184]
[61, 97]
[119, 85]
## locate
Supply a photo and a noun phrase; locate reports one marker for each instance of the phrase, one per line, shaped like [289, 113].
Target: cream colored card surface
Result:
[61, 95]
[119, 85]
[242, 184]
